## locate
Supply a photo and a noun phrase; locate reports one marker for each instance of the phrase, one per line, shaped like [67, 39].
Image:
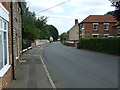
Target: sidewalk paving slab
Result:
[30, 72]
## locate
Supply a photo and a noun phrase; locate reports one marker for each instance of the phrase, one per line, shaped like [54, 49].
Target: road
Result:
[77, 68]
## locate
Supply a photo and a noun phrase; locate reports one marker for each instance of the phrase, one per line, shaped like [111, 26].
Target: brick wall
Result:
[17, 30]
[6, 5]
[6, 79]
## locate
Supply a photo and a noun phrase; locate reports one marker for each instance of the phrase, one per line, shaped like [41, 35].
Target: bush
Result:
[26, 44]
[106, 45]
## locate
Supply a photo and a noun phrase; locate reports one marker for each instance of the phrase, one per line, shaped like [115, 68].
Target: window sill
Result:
[4, 70]
[95, 30]
[106, 29]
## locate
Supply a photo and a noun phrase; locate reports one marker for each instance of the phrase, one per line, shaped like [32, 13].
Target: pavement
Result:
[30, 72]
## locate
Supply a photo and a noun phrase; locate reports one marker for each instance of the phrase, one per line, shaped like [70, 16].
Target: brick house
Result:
[6, 54]
[99, 26]
[117, 25]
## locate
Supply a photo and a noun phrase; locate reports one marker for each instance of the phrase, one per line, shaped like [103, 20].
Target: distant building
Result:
[99, 26]
[73, 33]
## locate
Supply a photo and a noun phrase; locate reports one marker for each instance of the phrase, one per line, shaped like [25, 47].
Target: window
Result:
[1, 51]
[95, 35]
[106, 26]
[106, 35]
[0, 23]
[118, 29]
[3, 43]
[95, 26]
[4, 25]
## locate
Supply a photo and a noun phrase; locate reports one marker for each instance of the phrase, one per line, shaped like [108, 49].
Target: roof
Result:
[99, 18]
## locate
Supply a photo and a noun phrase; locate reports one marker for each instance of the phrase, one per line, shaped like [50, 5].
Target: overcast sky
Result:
[63, 16]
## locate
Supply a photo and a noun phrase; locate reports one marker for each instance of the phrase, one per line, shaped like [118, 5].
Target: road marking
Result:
[48, 75]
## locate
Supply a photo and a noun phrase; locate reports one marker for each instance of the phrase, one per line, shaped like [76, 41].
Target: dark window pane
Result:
[5, 48]
[1, 51]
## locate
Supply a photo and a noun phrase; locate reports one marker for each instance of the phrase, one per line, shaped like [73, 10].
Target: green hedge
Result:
[106, 45]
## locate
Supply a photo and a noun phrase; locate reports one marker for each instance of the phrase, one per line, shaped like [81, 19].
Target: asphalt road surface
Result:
[77, 68]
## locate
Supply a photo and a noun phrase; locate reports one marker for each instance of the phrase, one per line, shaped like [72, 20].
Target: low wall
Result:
[41, 42]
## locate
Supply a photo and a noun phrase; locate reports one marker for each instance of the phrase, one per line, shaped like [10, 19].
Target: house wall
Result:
[74, 33]
[6, 78]
[17, 31]
[88, 30]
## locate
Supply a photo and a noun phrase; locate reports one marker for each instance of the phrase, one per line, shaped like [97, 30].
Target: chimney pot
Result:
[76, 21]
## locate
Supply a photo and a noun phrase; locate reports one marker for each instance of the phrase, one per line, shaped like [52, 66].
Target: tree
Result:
[110, 13]
[28, 17]
[117, 11]
[36, 28]
[41, 24]
[31, 33]
[64, 36]
[53, 32]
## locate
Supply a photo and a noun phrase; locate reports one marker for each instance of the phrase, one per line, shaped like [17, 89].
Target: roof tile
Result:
[99, 18]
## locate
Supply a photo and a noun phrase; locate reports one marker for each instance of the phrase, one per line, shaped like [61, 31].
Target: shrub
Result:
[106, 45]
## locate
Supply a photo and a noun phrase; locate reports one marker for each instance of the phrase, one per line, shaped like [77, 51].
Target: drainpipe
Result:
[12, 41]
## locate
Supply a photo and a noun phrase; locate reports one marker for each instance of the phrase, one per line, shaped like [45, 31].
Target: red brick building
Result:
[99, 26]
[7, 36]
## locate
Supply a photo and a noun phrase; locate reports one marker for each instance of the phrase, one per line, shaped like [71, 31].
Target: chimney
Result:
[76, 21]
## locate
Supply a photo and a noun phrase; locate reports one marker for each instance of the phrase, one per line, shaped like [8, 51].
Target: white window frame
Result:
[5, 66]
[106, 29]
[118, 36]
[0, 23]
[95, 34]
[111, 36]
[106, 35]
[4, 17]
[94, 26]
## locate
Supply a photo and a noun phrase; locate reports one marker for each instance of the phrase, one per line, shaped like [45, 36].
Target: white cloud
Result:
[58, 9]
[47, 4]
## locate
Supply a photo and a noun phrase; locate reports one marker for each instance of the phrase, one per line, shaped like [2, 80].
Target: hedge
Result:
[105, 45]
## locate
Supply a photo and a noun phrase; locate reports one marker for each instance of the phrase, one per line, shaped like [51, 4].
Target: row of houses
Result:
[10, 40]
[103, 26]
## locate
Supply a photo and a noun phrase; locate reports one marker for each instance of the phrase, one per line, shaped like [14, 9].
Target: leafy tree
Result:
[64, 36]
[28, 17]
[36, 28]
[117, 11]
[53, 32]
[110, 13]
[41, 24]
[31, 33]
